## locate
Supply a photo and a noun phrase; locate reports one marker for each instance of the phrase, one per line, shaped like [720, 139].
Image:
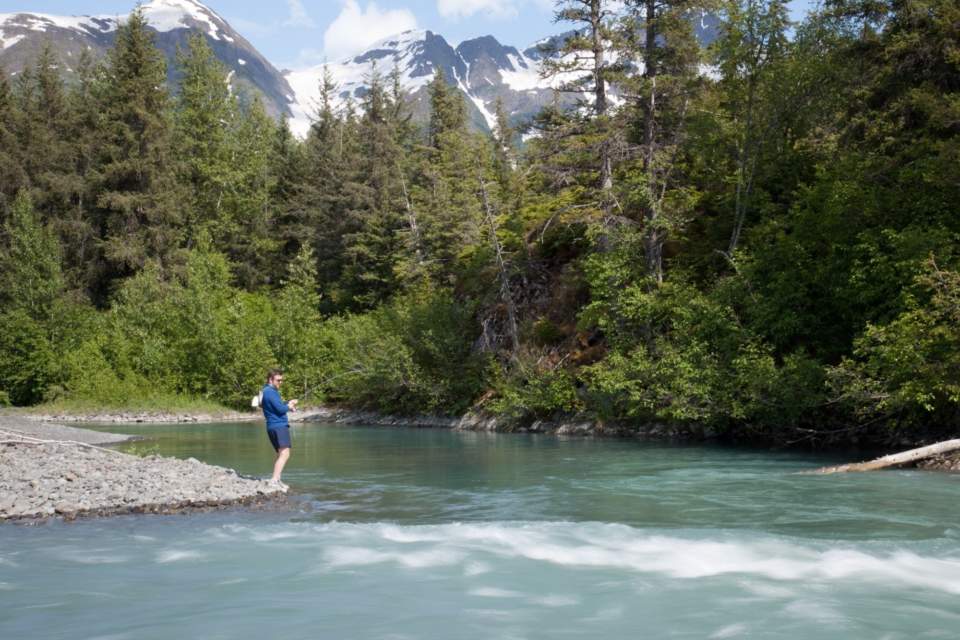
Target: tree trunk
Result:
[600, 91]
[895, 459]
[411, 218]
[505, 292]
[653, 241]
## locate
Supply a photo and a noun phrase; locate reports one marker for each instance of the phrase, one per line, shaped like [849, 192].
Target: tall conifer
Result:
[140, 201]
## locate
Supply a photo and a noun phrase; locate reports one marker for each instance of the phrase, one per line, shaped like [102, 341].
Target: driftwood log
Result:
[896, 459]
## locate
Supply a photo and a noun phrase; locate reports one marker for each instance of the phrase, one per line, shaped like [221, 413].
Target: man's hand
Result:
[293, 404]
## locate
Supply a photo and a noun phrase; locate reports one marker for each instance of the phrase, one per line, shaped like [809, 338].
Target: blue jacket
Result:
[274, 409]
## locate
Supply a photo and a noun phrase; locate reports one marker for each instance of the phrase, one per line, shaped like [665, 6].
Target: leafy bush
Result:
[412, 355]
[910, 366]
[531, 391]
[679, 354]
[28, 357]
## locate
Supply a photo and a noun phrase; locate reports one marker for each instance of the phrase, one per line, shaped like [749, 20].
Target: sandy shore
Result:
[49, 470]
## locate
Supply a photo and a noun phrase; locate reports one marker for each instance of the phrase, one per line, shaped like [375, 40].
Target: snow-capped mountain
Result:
[482, 68]
[23, 35]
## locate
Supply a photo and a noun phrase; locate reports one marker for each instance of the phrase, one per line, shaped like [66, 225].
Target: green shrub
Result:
[27, 358]
[412, 355]
[910, 366]
[530, 391]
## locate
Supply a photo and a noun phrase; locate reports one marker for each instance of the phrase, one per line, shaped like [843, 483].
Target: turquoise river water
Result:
[402, 533]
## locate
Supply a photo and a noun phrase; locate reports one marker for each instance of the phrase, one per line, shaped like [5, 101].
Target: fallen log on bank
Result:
[896, 459]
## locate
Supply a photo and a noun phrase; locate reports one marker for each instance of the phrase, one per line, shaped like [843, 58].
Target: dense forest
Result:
[760, 235]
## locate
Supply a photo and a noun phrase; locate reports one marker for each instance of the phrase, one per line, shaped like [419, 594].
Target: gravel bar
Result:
[42, 478]
[53, 431]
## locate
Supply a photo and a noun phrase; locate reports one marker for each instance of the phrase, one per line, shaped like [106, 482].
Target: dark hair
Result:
[273, 373]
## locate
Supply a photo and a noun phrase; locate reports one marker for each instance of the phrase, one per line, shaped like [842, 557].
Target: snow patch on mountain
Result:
[42, 22]
[172, 21]
[403, 51]
[523, 78]
[162, 15]
[482, 69]
[9, 42]
[167, 15]
[490, 118]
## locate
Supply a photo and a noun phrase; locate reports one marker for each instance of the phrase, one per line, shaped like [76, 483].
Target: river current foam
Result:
[486, 580]
[611, 547]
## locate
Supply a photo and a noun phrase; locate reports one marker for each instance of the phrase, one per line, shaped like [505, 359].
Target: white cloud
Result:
[298, 15]
[356, 27]
[456, 9]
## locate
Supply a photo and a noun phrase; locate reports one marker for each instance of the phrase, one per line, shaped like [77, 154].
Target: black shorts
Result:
[279, 437]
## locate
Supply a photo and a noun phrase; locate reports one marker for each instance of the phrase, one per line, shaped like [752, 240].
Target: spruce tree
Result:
[447, 110]
[287, 180]
[12, 175]
[411, 262]
[42, 132]
[373, 204]
[445, 183]
[77, 223]
[204, 114]
[140, 200]
[587, 56]
[248, 236]
[331, 157]
[660, 34]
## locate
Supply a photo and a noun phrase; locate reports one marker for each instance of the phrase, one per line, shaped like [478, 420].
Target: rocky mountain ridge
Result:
[23, 35]
[482, 68]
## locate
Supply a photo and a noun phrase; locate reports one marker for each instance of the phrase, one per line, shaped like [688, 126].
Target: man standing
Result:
[278, 427]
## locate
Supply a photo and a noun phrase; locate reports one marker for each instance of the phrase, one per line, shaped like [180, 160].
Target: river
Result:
[395, 533]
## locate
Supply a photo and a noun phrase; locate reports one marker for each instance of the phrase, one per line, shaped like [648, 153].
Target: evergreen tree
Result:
[410, 265]
[288, 179]
[140, 200]
[587, 56]
[204, 116]
[40, 128]
[660, 34]
[12, 175]
[445, 181]
[750, 54]
[448, 113]
[373, 204]
[331, 156]
[505, 156]
[77, 222]
[248, 238]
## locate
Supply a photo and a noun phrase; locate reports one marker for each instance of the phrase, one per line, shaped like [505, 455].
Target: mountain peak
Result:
[401, 40]
[23, 35]
[489, 48]
[168, 15]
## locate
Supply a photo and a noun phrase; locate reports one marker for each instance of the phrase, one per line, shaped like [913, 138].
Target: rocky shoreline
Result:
[486, 423]
[49, 470]
[950, 462]
[468, 422]
[572, 427]
[145, 417]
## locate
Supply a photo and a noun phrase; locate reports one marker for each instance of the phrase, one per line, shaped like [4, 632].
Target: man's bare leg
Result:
[283, 454]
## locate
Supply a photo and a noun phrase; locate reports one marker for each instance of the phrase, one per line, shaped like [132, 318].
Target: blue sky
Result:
[296, 33]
